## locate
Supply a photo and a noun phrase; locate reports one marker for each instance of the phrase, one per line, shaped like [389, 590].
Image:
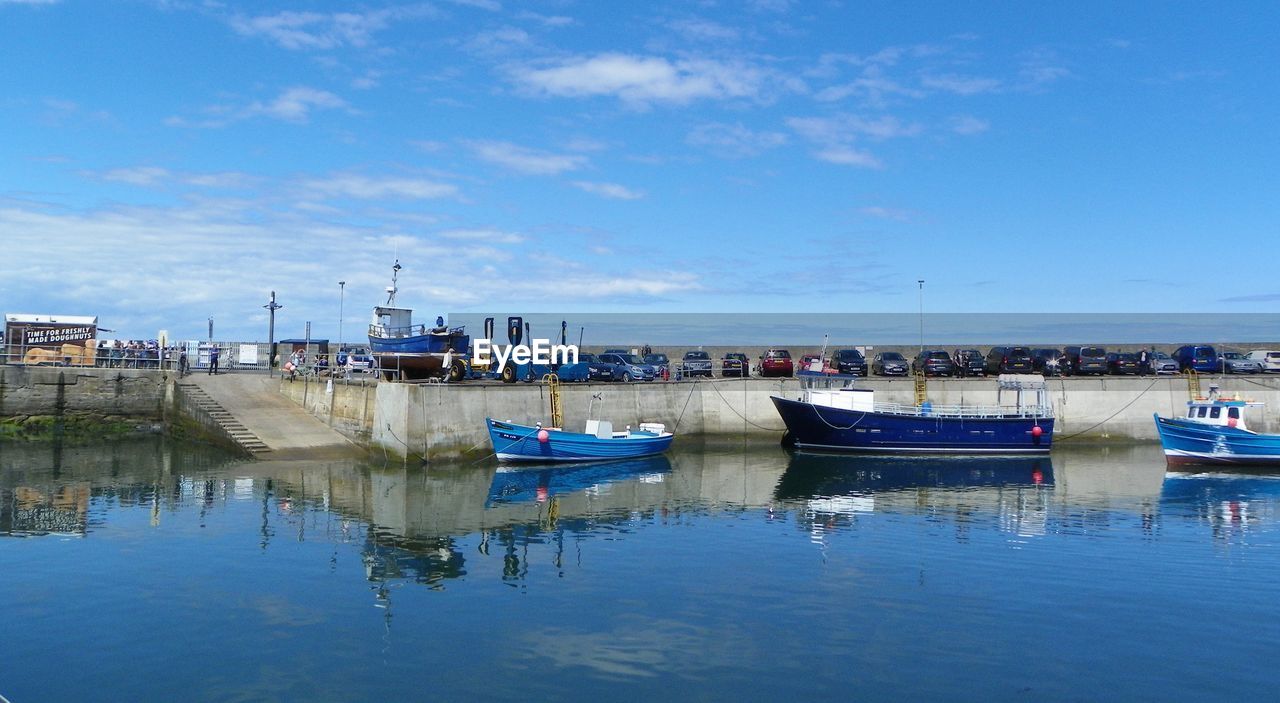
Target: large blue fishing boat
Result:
[848, 419]
[1214, 431]
[515, 442]
[410, 351]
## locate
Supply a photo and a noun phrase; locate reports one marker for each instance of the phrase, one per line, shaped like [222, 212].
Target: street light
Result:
[271, 334]
[342, 294]
[921, 283]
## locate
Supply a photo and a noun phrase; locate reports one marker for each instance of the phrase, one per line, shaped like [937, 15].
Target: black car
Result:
[889, 364]
[735, 364]
[969, 362]
[1120, 364]
[1044, 361]
[934, 362]
[850, 361]
[1009, 360]
[696, 363]
[1082, 361]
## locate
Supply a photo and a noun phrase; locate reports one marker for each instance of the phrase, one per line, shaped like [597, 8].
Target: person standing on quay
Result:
[213, 360]
[1144, 362]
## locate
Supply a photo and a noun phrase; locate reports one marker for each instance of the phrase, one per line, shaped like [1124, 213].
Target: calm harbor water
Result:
[149, 571]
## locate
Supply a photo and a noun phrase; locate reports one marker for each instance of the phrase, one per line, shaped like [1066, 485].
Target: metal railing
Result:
[984, 411]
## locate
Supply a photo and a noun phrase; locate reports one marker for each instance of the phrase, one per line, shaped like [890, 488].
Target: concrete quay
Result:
[445, 420]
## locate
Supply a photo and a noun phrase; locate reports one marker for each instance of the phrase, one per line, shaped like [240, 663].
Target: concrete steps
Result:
[236, 430]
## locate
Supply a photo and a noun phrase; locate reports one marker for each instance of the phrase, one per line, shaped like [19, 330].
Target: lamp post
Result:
[342, 296]
[921, 284]
[271, 307]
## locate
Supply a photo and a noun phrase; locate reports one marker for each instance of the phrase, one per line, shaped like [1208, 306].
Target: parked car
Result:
[1235, 362]
[1162, 363]
[1122, 364]
[696, 363]
[1200, 357]
[1083, 361]
[361, 358]
[934, 362]
[735, 364]
[588, 368]
[1269, 359]
[776, 362]
[850, 361]
[889, 364]
[969, 362]
[1045, 360]
[628, 367]
[660, 363]
[1009, 360]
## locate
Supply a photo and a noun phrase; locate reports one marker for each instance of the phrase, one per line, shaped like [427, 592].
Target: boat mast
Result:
[391, 290]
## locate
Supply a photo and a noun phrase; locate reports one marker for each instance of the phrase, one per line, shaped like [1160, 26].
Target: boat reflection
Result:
[829, 491]
[539, 484]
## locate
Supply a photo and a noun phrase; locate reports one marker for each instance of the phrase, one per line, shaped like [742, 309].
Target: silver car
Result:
[1235, 362]
[1162, 363]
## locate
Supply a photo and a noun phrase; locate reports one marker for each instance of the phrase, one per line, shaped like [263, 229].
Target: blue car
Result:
[588, 368]
[1201, 357]
[628, 367]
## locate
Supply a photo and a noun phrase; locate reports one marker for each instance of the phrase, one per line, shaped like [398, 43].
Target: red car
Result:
[776, 362]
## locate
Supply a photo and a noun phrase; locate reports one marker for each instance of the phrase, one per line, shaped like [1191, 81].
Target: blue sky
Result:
[165, 161]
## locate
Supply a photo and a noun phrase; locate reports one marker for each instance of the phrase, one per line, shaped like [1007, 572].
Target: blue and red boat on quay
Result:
[1215, 432]
[405, 351]
[849, 419]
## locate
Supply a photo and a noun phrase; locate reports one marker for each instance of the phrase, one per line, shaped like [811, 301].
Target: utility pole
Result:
[921, 283]
[271, 333]
[342, 295]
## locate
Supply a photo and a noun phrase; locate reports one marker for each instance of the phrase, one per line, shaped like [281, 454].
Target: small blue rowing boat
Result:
[514, 442]
[1214, 432]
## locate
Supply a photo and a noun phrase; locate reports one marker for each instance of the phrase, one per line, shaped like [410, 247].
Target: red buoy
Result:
[543, 436]
[1037, 431]
[1231, 422]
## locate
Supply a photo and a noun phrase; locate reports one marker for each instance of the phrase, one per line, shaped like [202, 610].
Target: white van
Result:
[1269, 358]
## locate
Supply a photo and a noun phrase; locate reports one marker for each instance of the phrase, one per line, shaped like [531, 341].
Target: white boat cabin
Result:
[1219, 411]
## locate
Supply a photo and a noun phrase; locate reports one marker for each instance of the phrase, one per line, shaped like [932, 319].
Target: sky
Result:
[164, 162]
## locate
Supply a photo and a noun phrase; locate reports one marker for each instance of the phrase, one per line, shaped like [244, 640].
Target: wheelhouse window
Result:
[1215, 413]
[1233, 413]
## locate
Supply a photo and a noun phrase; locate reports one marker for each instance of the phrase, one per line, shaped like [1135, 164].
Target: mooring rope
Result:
[1110, 417]
[735, 412]
[693, 385]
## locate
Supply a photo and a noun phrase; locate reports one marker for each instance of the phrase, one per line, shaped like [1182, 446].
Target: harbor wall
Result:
[57, 391]
[345, 405]
[440, 420]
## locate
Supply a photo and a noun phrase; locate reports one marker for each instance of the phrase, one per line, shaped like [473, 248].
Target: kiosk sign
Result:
[36, 336]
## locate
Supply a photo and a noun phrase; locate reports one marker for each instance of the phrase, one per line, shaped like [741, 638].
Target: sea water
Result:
[153, 571]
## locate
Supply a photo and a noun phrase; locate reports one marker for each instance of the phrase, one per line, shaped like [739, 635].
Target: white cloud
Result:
[646, 79]
[321, 31]
[886, 213]
[609, 190]
[499, 41]
[137, 175]
[704, 30]
[967, 124]
[960, 85]
[29, 2]
[734, 140]
[366, 188]
[492, 236]
[847, 156]
[844, 128]
[295, 104]
[547, 20]
[525, 160]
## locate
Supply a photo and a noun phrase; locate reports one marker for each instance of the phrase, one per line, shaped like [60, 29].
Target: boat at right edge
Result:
[1214, 432]
[848, 419]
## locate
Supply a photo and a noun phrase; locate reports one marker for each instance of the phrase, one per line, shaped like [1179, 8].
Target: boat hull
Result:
[420, 344]
[512, 442]
[1187, 442]
[821, 428]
